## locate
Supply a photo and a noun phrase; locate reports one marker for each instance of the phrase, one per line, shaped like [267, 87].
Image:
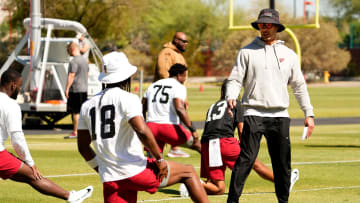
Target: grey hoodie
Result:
[265, 71]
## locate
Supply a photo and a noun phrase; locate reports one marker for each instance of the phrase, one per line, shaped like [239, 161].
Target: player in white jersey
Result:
[24, 169]
[113, 121]
[164, 102]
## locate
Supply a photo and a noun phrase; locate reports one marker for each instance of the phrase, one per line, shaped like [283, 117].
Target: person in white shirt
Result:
[23, 169]
[164, 102]
[112, 120]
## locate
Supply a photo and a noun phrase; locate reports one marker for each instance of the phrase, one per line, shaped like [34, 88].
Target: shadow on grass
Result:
[170, 191]
[333, 146]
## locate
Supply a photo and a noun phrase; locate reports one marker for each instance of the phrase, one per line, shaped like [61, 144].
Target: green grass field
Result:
[327, 102]
[329, 167]
[329, 161]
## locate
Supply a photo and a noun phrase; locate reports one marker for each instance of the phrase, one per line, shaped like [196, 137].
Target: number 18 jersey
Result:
[219, 123]
[118, 148]
[160, 105]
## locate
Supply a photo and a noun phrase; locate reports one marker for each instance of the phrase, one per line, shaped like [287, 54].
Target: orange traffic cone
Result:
[201, 88]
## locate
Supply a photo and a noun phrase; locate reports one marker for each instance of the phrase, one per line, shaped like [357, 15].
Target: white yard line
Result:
[70, 175]
[324, 162]
[43, 144]
[258, 193]
[198, 167]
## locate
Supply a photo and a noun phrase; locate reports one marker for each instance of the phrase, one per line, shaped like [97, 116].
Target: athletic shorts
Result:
[9, 164]
[126, 190]
[75, 100]
[174, 135]
[230, 150]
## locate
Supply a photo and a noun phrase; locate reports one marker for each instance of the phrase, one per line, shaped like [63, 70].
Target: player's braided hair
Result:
[124, 85]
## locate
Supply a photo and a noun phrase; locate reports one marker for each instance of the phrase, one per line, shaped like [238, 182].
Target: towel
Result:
[215, 153]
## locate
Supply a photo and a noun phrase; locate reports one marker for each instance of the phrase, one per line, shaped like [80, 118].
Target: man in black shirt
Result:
[220, 148]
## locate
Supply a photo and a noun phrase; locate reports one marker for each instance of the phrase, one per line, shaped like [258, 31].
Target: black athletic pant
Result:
[276, 131]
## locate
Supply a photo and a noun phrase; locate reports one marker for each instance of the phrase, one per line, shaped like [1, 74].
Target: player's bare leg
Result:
[75, 119]
[187, 175]
[196, 145]
[214, 187]
[263, 171]
[44, 185]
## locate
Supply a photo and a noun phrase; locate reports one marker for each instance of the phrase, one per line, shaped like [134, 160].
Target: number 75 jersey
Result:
[160, 96]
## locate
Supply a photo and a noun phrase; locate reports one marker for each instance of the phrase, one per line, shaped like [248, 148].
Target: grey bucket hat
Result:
[268, 15]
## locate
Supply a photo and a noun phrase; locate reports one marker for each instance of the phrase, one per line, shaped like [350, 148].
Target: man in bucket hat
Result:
[113, 121]
[264, 68]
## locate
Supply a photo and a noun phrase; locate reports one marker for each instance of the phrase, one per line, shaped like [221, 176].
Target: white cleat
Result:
[294, 177]
[81, 195]
[183, 190]
[178, 153]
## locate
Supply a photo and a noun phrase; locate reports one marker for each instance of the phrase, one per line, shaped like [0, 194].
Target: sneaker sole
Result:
[181, 156]
[70, 137]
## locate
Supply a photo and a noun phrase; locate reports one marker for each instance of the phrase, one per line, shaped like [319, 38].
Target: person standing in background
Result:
[171, 54]
[77, 85]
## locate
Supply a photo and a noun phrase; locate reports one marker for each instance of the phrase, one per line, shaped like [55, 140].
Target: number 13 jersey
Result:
[118, 148]
[219, 123]
[160, 105]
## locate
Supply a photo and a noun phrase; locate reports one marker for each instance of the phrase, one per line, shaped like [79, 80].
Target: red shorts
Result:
[126, 190]
[230, 150]
[9, 164]
[169, 133]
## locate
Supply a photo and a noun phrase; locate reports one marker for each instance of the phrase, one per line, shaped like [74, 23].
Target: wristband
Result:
[160, 160]
[192, 128]
[92, 163]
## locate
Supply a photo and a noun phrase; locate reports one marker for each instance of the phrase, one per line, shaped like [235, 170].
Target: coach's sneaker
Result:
[178, 153]
[294, 177]
[183, 190]
[79, 196]
[71, 136]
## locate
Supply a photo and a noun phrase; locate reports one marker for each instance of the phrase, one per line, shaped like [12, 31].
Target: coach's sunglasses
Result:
[265, 25]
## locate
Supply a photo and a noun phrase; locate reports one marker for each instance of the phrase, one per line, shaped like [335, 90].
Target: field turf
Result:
[329, 161]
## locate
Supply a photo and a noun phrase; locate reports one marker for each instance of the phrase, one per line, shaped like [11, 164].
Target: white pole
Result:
[43, 65]
[35, 35]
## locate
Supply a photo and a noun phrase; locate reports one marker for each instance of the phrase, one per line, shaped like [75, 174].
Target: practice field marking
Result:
[260, 193]
[198, 167]
[342, 132]
[324, 162]
[44, 144]
[70, 175]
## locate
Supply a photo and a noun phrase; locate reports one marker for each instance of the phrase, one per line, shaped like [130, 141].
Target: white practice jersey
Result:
[160, 105]
[10, 118]
[118, 148]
